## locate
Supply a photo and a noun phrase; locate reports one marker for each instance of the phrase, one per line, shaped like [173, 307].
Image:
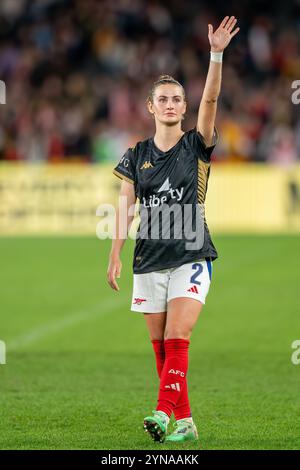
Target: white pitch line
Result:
[75, 318]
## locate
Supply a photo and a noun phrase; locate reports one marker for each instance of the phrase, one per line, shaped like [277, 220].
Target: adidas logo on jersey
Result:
[174, 386]
[155, 201]
[146, 165]
[194, 290]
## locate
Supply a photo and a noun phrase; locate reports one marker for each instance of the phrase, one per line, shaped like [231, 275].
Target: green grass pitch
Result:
[80, 370]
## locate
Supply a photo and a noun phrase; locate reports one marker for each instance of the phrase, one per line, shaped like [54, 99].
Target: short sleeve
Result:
[197, 143]
[125, 169]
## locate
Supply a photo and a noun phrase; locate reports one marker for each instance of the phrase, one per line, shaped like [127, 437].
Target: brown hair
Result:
[163, 80]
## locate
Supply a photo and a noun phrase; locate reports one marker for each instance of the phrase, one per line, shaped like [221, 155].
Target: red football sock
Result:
[173, 374]
[182, 408]
[159, 349]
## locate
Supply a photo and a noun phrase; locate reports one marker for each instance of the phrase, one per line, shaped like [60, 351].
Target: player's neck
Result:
[166, 137]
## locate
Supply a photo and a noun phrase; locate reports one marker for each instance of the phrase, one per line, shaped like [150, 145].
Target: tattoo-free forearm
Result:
[212, 87]
[123, 222]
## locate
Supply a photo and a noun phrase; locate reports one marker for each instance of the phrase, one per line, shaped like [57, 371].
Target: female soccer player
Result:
[169, 175]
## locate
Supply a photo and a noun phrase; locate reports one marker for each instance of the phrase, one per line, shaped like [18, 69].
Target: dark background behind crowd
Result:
[77, 73]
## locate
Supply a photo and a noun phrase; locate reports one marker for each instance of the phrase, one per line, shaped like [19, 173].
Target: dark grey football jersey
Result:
[171, 187]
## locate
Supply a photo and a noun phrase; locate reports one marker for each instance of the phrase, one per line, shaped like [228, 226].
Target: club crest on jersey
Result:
[138, 301]
[146, 165]
[155, 201]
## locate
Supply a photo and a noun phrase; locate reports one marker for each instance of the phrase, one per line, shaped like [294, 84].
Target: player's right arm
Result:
[218, 40]
[123, 222]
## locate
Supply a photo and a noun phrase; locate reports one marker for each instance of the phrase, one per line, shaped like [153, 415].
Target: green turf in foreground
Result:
[80, 370]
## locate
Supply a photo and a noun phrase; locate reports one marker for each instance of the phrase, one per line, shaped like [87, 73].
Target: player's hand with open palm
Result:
[220, 39]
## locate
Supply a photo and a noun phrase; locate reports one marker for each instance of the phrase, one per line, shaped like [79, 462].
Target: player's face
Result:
[168, 104]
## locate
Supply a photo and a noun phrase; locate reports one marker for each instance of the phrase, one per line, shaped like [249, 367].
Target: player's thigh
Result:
[188, 287]
[182, 316]
[156, 324]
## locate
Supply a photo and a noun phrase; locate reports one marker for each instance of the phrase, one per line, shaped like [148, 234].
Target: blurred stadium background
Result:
[77, 73]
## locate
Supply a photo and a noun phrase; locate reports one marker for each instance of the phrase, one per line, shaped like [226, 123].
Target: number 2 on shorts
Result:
[199, 269]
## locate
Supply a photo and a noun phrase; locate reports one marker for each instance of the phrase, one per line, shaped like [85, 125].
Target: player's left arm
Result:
[218, 40]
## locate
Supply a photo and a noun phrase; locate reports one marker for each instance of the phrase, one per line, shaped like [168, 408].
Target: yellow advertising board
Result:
[253, 198]
[63, 199]
[53, 199]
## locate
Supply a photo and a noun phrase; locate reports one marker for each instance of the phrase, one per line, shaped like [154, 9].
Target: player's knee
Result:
[157, 337]
[177, 334]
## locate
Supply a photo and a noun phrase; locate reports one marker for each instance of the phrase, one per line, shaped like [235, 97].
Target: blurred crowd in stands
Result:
[77, 73]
